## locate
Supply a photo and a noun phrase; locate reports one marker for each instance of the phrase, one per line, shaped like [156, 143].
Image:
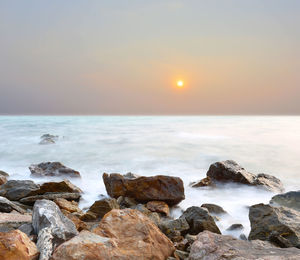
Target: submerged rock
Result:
[213, 246]
[235, 227]
[52, 169]
[290, 199]
[280, 225]
[207, 181]
[214, 209]
[143, 189]
[48, 139]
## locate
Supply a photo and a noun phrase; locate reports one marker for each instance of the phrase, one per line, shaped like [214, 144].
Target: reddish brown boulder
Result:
[15, 245]
[143, 189]
[158, 206]
[71, 206]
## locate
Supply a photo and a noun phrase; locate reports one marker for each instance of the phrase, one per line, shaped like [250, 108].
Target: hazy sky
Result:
[124, 57]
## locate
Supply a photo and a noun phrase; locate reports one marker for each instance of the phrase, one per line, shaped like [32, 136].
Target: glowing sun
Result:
[179, 83]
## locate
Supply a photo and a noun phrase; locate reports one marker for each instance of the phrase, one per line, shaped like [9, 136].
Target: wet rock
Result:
[52, 169]
[279, 223]
[8, 206]
[15, 245]
[52, 227]
[290, 199]
[13, 220]
[230, 171]
[51, 196]
[202, 183]
[17, 189]
[173, 228]
[158, 206]
[135, 235]
[70, 206]
[143, 189]
[199, 220]
[213, 246]
[126, 202]
[214, 209]
[48, 139]
[235, 227]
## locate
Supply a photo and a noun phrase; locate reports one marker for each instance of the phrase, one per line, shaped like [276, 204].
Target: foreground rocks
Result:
[52, 169]
[290, 199]
[279, 225]
[213, 246]
[51, 196]
[143, 189]
[8, 206]
[17, 189]
[10, 221]
[15, 245]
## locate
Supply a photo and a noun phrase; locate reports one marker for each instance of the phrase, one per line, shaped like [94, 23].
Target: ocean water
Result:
[182, 146]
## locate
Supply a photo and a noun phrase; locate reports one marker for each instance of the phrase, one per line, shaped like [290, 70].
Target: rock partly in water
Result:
[290, 199]
[214, 209]
[158, 206]
[8, 206]
[235, 227]
[17, 189]
[52, 227]
[15, 245]
[50, 196]
[280, 225]
[199, 220]
[202, 183]
[230, 171]
[213, 246]
[52, 169]
[135, 235]
[143, 189]
[48, 139]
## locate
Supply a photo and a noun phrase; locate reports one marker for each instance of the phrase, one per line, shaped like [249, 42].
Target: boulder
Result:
[15, 245]
[230, 171]
[202, 183]
[290, 199]
[214, 209]
[52, 227]
[235, 227]
[80, 225]
[70, 206]
[11, 221]
[126, 202]
[135, 235]
[3, 173]
[174, 228]
[158, 206]
[143, 189]
[199, 220]
[17, 189]
[48, 139]
[213, 246]
[8, 206]
[3, 180]
[154, 216]
[280, 225]
[51, 196]
[52, 169]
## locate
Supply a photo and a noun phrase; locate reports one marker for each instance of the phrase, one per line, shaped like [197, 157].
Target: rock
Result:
[199, 220]
[101, 207]
[290, 199]
[243, 237]
[158, 206]
[213, 246]
[3, 180]
[279, 223]
[230, 171]
[181, 254]
[135, 235]
[15, 245]
[126, 202]
[27, 229]
[16, 190]
[8, 206]
[3, 173]
[52, 227]
[52, 169]
[235, 227]
[51, 196]
[70, 206]
[174, 228]
[214, 209]
[14, 220]
[48, 139]
[202, 183]
[143, 189]
[80, 225]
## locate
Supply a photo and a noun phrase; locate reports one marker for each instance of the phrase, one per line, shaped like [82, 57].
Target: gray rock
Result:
[52, 169]
[14, 220]
[199, 220]
[17, 189]
[48, 139]
[279, 224]
[212, 246]
[8, 206]
[290, 199]
[51, 196]
[214, 209]
[173, 227]
[181, 254]
[45, 243]
[27, 228]
[235, 227]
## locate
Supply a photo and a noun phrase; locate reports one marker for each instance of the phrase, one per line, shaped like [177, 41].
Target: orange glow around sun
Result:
[180, 83]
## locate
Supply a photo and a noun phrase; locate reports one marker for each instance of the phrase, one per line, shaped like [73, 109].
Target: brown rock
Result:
[202, 183]
[15, 245]
[143, 189]
[80, 225]
[3, 180]
[71, 206]
[135, 235]
[158, 206]
[50, 196]
[14, 220]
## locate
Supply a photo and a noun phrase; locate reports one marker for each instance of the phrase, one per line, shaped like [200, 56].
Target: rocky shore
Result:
[44, 221]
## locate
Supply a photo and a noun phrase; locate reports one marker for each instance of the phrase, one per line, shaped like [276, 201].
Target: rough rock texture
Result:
[3, 180]
[230, 171]
[211, 246]
[202, 183]
[15, 245]
[280, 225]
[15, 189]
[52, 169]
[290, 199]
[143, 189]
[50, 196]
[158, 206]
[199, 220]
[154, 216]
[46, 214]
[235, 227]
[80, 225]
[8, 206]
[126, 202]
[134, 235]
[13, 220]
[70, 206]
[174, 228]
[213, 208]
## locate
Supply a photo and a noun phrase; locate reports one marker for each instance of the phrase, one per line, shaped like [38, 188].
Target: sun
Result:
[180, 83]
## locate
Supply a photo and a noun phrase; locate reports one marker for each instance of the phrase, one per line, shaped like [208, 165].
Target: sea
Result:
[182, 146]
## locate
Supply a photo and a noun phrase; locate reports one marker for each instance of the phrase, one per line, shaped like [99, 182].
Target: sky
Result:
[124, 57]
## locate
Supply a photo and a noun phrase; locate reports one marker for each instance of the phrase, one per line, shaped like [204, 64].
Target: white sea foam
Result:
[177, 146]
